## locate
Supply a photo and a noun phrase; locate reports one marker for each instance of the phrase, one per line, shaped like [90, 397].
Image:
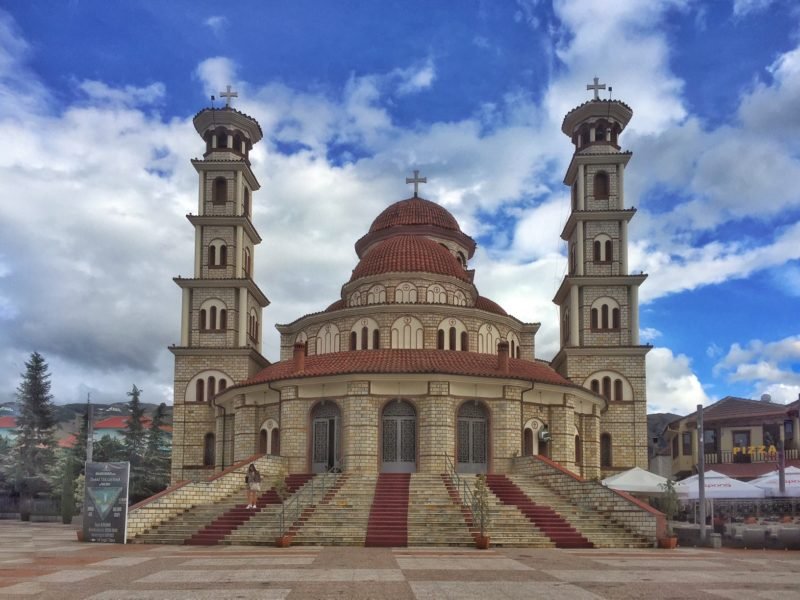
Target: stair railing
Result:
[307, 495]
[478, 509]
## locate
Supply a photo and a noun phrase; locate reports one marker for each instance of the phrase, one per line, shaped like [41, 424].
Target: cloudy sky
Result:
[96, 102]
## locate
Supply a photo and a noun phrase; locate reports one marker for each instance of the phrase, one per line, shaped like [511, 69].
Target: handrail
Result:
[292, 508]
[480, 512]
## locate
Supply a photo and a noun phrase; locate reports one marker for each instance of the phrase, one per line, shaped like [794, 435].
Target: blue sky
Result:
[97, 100]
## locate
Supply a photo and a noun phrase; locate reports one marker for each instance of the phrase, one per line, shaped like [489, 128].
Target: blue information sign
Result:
[105, 501]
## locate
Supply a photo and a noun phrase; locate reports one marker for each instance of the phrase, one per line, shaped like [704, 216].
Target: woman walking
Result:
[253, 482]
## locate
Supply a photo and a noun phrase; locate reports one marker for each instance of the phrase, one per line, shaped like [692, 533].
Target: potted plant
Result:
[670, 504]
[481, 511]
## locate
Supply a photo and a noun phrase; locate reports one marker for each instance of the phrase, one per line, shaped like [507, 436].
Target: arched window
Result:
[488, 336]
[364, 338]
[604, 315]
[440, 340]
[237, 143]
[594, 318]
[459, 299]
[223, 319]
[601, 185]
[605, 450]
[212, 318]
[572, 260]
[202, 319]
[212, 387]
[328, 339]
[366, 333]
[607, 387]
[223, 255]
[220, 195]
[222, 138]
[262, 441]
[407, 333]
[212, 256]
[618, 389]
[609, 251]
[209, 450]
[461, 259]
[405, 293]
[436, 295]
[353, 340]
[464, 341]
[222, 385]
[376, 295]
[247, 262]
[615, 318]
[209, 137]
[199, 392]
[527, 443]
[578, 450]
[596, 256]
[246, 203]
[376, 339]
[275, 442]
[453, 338]
[595, 386]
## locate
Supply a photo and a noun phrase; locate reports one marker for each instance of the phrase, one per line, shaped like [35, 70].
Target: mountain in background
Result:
[656, 423]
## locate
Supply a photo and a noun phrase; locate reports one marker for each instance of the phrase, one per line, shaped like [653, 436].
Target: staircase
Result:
[556, 528]
[598, 527]
[435, 517]
[216, 531]
[388, 516]
[342, 519]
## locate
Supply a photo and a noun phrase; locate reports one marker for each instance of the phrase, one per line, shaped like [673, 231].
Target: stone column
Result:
[505, 436]
[245, 430]
[186, 315]
[591, 444]
[581, 249]
[436, 427]
[198, 251]
[634, 310]
[359, 429]
[201, 193]
[562, 433]
[581, 187]
[294, 430]
[621, 186]
[623, 248]
[242, 317]
[574, 317]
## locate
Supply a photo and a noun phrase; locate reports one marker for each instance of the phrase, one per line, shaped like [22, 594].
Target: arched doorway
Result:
[262, 441]
[472, 438]
[325, 443]
[399, 429]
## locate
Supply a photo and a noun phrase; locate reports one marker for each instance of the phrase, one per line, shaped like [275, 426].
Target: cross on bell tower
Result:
[596, 86]
[416, 180]
[229, 94]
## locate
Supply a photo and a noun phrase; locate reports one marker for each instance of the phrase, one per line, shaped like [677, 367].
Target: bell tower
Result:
[598, 299]
[220, 342]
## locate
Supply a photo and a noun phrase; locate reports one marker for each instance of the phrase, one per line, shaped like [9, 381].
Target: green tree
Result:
[156, 455]
[79, 449]
[7, 467]
[35, 433]
[109, 449]
[68, 490]
[135, 439]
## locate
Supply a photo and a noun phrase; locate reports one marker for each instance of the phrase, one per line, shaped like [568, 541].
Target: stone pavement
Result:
[43, 560]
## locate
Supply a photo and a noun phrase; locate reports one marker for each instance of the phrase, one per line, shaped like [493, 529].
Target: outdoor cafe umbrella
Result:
[771, 485]
[636, 481]
[717, 485]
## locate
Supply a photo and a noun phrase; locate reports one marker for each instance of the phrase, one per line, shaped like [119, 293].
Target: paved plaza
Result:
[44, 560]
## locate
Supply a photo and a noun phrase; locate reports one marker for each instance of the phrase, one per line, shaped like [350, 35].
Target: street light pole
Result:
[701, 472]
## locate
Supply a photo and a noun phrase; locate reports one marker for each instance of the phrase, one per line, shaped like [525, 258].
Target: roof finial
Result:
[416, 180]
[597, 86]
[229, 94]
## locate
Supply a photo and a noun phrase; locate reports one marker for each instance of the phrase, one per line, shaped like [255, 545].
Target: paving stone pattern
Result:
[44, 560]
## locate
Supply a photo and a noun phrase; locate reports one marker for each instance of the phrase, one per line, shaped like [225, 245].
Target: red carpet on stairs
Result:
[545, 518]
[231, 519]
[388, 516]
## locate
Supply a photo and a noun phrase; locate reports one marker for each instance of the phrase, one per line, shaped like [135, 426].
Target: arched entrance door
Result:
[399, 438]
[325, 442]
[473, 438]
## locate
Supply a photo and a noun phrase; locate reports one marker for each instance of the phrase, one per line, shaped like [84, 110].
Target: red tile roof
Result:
[731, 407]
[68, 441]
[8, 422]
[409, 254]
[339, 304]
[491, 306]
[119, 422]
[414, 211]
[409, 361]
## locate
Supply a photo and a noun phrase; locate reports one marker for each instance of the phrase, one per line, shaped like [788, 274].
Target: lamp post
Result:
[701, 472]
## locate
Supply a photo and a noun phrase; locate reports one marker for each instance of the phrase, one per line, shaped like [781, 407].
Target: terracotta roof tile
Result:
[118, 422]
[68, 441]
[731, 407]
[415, 211]
[339, 304]
[409, 254]
[491, 306]
[8, 422]
[409, 361]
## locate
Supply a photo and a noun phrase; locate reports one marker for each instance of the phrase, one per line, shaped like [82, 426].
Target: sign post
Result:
[106, 502]
[701, 472]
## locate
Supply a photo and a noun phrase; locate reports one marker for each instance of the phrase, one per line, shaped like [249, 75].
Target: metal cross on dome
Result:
[228, 95]
[597, 86]
[416, 180]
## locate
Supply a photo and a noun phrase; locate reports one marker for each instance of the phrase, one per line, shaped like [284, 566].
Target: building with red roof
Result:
[8, 427]
[411, 364]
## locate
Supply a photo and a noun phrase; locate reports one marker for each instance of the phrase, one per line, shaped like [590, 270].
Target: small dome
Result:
[414, 211]
[491, 306]
[409, 254]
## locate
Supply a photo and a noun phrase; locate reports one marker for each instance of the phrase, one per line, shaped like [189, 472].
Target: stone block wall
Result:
[636, 516]
[181, 497]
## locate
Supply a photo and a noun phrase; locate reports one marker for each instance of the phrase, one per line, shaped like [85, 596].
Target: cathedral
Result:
[411, 369]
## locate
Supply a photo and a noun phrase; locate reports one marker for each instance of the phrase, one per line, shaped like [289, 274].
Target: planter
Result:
[79, 534]
[482, 542]
[283, 541]
[669, 543]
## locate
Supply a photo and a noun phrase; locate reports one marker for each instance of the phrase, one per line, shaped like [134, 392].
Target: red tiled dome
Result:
[491, 306]
[414, 211]
[409, 254]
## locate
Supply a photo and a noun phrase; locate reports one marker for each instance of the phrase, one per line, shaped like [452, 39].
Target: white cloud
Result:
[768, 367]
[745, 7]
[672, 386]
[217, 24]
[648, 334]
[99, 92]
[415, 79]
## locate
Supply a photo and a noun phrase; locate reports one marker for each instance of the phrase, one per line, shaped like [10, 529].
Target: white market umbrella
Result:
[637, 481]
[717, 485]
[771, 485]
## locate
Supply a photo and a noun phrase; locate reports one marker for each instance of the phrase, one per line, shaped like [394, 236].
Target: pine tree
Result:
[35, 432]
[79, 449]
[135, 445]
[157, 456]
